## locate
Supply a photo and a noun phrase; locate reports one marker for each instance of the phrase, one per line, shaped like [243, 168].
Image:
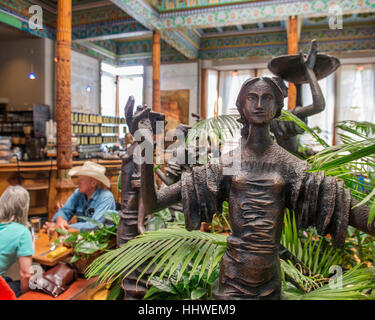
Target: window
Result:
[108, 95]
[130, 86]
[130, 83]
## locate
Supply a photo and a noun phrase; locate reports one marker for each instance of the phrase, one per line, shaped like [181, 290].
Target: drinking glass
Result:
[36, 225]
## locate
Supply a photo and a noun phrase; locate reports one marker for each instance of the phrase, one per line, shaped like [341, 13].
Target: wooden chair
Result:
[35, 178]
[112, 174]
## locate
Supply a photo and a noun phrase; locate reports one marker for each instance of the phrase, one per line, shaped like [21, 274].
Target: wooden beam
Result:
[203, 112]
[292, 49]
[156, 105]
[63, 84]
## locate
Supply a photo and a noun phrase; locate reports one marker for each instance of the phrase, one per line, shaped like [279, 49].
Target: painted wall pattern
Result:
[140, 52]
[258, 12]
[140, 11]
[106, 29]
[109, 45]
[354, 39]
[181, 41]
[109, 13]
[92, 53]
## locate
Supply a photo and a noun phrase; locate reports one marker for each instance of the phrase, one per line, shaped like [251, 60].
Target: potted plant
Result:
[89, 245]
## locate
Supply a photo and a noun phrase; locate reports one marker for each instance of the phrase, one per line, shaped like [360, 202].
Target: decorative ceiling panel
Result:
[175, 5]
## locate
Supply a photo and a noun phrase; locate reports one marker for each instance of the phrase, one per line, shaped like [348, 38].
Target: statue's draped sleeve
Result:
[201, 194]
[320, 201]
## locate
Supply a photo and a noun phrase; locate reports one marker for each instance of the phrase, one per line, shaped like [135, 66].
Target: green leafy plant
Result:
[164, 250]
[351, 160]
[184, 261]
[87, 243]
[163, 219]
[214, 129]
[188, 287]
[314, 251]
[357, 283]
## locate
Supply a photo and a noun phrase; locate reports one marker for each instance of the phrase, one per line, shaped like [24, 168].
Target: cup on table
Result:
[36, 226]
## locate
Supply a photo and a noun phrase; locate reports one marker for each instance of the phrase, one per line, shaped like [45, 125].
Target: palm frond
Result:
[361, 129]
[164, 251]
[307, 283]
[355, 284]
[218, 128]
[333, 157]
[314, 253]
[288, 116]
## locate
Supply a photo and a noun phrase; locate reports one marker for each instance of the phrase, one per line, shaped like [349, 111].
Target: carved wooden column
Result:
[64, 184]
[156, 105]
[63, 96]
[292, 49]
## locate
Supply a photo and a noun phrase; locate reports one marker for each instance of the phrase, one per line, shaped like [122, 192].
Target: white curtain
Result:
[356, 93]
[211, 95]
[324, 120]
[265, 72]
[229, 87]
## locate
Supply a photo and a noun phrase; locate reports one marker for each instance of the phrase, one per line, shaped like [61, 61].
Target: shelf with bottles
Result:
[93, 130]
[111, 139]
[90, 140]
[110, 130]
[89, 118]
[79, 129]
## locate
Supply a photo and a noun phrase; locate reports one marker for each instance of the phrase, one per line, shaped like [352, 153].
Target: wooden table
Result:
[41, 245]
[81, 289]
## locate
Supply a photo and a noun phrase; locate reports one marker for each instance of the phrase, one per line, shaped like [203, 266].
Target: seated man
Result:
[92, 199]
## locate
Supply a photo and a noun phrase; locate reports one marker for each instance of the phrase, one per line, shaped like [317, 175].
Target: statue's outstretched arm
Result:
[317, 95]
[358, 218]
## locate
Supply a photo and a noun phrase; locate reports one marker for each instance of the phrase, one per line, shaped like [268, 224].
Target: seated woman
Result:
[267, 180]
[15, 237]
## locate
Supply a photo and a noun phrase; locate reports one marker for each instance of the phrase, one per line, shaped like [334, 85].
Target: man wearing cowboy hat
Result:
[92, 199]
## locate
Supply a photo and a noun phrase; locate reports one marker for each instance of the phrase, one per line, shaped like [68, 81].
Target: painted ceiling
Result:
[122, 29]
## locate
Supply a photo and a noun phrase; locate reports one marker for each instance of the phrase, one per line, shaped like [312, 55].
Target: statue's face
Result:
[259, 103]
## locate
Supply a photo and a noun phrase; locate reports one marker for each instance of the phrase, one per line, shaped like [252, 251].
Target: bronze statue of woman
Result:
[268, 180]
